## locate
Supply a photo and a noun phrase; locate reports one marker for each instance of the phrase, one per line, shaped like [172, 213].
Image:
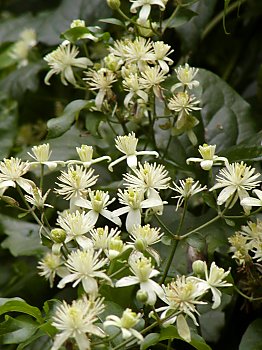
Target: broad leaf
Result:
[23, 237]
[149, 340]
[252, 338]
[182, 16]
[58, 126]
[11, 305]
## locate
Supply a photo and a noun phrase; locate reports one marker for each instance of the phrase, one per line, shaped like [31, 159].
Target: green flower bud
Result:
[142, 296]
[58, 235]
[140, 245]
[113, 4]
[198, 267]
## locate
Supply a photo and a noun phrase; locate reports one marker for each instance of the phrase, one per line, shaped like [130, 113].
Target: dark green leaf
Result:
[149, 340]
[8, 125]
[21, 80]
[23, 237]
[92, 121]
[225, 114]
[115, 21]
[252, 338]
[58, 126]
[10, 305]
[182, 16]
[16, 331]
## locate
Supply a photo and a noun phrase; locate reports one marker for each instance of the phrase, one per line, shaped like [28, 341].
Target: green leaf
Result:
[252, 338]
[76, 33]
[58, 126]
[149, 340]
[225, 114]
[10, 305]
[115, 21]
[212, 324]
[92, 121]
[8, 125]
[182, 16]
[16, 331]
[23, 237]
[21, 80]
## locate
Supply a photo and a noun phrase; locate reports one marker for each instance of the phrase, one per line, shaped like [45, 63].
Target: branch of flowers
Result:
[32, 211]
[218, 18]
[171, 256]
[246, 296]
[169, 232]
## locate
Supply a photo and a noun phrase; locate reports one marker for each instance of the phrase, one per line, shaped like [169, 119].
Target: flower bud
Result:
[58, 235]
[113, 4]
[140, 245]
[198, 267]
[142, 296]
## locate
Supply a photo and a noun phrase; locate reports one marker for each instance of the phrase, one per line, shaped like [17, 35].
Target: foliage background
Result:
[26, 104]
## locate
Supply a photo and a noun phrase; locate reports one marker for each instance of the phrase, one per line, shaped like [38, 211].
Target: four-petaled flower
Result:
[208, 157]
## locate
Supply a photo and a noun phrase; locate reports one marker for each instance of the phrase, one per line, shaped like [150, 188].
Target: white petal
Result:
[127, 281]
[133, 218]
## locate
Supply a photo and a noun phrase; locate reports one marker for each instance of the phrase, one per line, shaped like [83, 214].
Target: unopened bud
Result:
[58, 235]
[198, 267]
[113, 4]
[142, 296]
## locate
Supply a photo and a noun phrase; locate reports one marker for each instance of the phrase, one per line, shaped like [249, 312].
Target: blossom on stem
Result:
[77, 321]
[162, 51]
[11, 172]
[127, 144]
[151, 78]
[84, 266]
[235, 179]
[37, 199]
[186, 75]
[101, 80]
[85, 154]
[75, 182]
[213, 280]
[133, 201]
[61, 62]
[132, 84]
[208, 157]
[253, 202]
[97, 205]
[146, 7]
[51, 265]
[186, 189]
[182, 102]
[41, 154]
[126, 323]
[139, 52]
[143, 272]
[76, 225]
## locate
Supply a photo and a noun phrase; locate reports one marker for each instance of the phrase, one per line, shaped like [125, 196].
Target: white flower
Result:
[42, 154]
[61, 62]
[116, 247]
[37, 198]
[101, 80]
[101, 237]
[97, 205]
[143, 272]
[237, 179]
[145, 236]
[139, 52]
[181, 296]
[11, 172]
[240, 247]
[76, 225]
[84, 266]
[49, 266]
[186, 189]
[77, 321]
[151, 78]
[183, 103]
[127, 144]
[85, 154]
[126, 323]
[253, 202]
[75, 183]
[146, 7]
[133, 201]
[214, 280]
[186, 75]
[132, 84]
[162, 50]
[208, 157]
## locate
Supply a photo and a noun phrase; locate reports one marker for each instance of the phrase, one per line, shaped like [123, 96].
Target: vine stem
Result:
[218, 18]
[246, 296]
[171, 256]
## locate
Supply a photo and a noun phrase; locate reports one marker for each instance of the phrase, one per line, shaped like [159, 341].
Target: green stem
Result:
[171, 256]
[246, 296]
[218, 18]
[41, 177]
[200, 227]
[169, 232]
[170, 19]
[117, 272]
